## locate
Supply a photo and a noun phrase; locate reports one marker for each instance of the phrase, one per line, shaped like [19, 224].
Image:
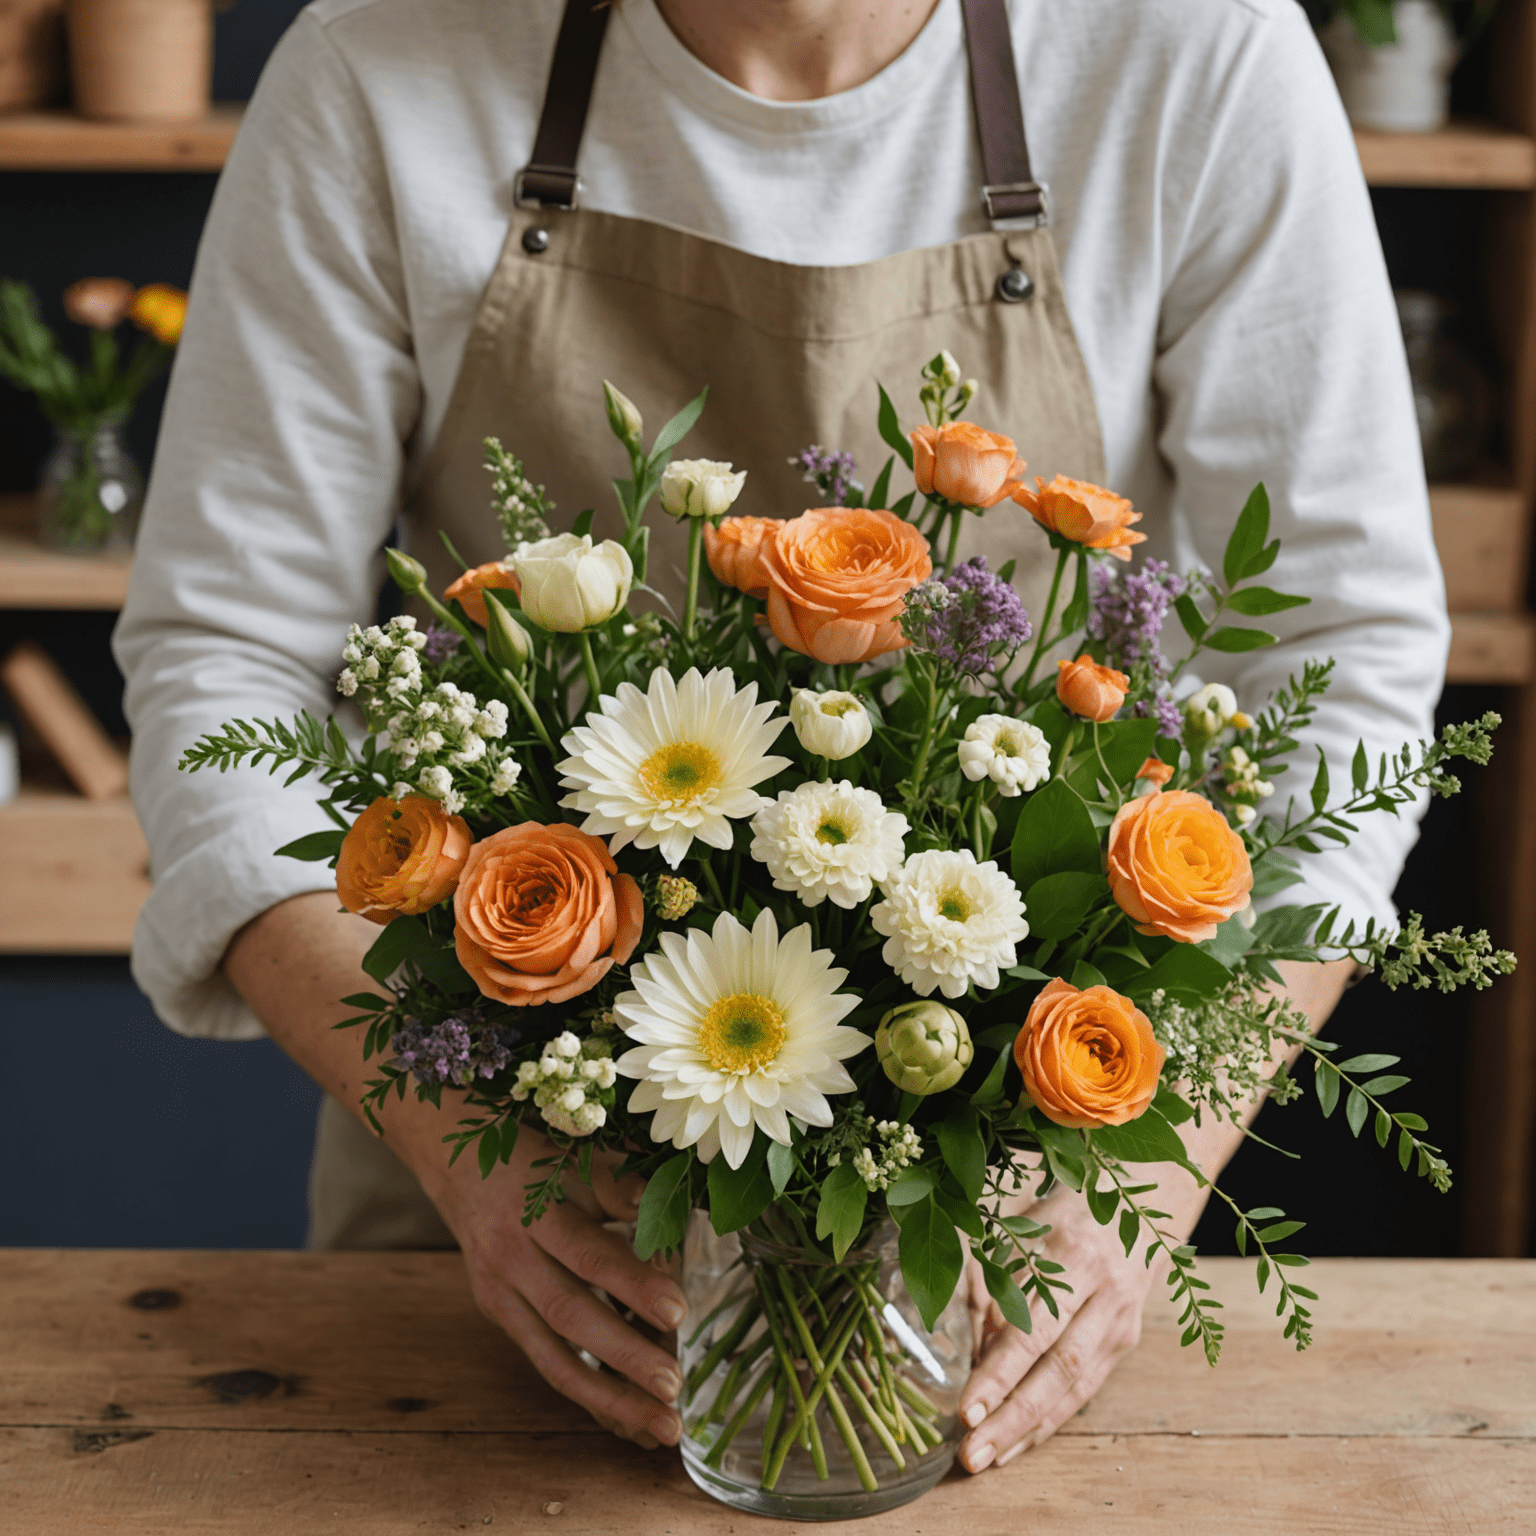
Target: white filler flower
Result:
[829, 840]
[735, 1030]
[834, 725]
[660, 768]
[949, 921]
[1012, 753]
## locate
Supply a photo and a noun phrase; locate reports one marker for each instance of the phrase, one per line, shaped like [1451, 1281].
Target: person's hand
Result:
[536, 1283]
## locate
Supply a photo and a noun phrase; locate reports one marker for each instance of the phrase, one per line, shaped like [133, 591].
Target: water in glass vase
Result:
[812, 1389]
[92, 490]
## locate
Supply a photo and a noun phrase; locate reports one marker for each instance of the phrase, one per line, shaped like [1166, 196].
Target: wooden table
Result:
[144, 1394]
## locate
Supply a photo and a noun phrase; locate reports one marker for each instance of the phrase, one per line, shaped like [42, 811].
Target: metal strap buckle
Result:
[561, 175]
[1015, 188]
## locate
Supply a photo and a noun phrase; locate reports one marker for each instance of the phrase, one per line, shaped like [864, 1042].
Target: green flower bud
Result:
[624, 417]
[505, 638]
[924, 1047]
[673, 897]
[407, 574]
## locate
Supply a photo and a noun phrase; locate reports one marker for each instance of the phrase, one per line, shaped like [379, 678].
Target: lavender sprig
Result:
[454, 1052]
[968, 619]
[829, 470]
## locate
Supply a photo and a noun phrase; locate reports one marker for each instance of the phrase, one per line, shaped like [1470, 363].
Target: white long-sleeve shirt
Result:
[1221, 266]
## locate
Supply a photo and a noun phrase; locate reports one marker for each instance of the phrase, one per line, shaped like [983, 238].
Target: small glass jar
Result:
[92, 491]
[771, 1327]
[1451, 394]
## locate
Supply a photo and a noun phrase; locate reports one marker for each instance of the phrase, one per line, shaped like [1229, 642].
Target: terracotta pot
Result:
[142, 61]
[31, 52]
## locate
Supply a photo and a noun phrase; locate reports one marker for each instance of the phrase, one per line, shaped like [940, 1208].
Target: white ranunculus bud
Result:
[505, 638]
[407, 574]
[924, 1047]
[834, 725]
[699, 488]
[1209, 710]
[624, 417]
[569, 584]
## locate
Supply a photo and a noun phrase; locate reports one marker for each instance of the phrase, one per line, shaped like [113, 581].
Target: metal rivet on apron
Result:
[535, 240]
[1014, 286]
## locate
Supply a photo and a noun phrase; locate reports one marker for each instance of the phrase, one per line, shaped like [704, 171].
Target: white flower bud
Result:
[346, 684]
[566, 1044]
[1209, 710]
[924, 1047]
[700, 488]
[570, 585]
[624, 417]
[832, 725]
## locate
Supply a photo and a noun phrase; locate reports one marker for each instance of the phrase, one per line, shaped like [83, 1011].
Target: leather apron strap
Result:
[1011, 196]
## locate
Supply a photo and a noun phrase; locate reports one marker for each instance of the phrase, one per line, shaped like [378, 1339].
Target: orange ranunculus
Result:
[99, 302]
[542, 913]
[1176, 867]
[1155, 771]
[467, 589]
[1089, 690]
[161, 310]
[735, 552]
[1089, 1057]
[1085, 513]
[400, 858]
[836, 580]
[965, 463]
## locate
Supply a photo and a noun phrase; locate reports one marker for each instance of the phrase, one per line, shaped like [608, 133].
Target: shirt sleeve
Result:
[273, 491]
[1281, 361]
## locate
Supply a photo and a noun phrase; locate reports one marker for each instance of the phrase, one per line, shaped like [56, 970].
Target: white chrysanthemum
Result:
[949, 921]
[735, 1030]
[1012, 753]
[661, 768]
[829, 840]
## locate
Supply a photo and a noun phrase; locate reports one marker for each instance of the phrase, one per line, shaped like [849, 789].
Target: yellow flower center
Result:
[953, 905]
[837, 708]
[741, 1033]
[831, 832]
[681, 770]
[1006, 744]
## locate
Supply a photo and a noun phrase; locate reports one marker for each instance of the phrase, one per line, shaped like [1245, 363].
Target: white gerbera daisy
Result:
[824, 840]
[736, 1030]
[949, 921]
[661, 768]
[1012, 753]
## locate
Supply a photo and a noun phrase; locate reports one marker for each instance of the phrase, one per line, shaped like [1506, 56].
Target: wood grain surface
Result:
[144, 1393]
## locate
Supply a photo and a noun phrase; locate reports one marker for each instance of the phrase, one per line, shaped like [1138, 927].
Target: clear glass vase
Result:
[92, 491]
[812, 1390]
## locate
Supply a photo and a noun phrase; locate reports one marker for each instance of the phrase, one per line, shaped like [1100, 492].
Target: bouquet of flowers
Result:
[847, 915]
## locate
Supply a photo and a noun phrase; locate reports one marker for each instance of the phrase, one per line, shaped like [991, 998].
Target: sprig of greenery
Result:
[1298, 1325]
[357, 778]
[1409, 957]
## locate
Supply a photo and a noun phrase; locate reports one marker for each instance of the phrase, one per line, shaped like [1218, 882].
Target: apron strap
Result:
[1012, 197]
[549, 179]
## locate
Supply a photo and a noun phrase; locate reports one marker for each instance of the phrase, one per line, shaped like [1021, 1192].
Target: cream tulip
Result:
[568, 584]
[832, 725]
[700, 488]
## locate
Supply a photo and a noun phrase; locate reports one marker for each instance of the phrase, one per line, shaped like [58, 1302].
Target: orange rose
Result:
[1089, 690]
[1176, 867]
[836, 579]
[468, 587]
[965, 463]
[1085, 513]
[1155, 771]
[1089, 1058]
[542, 913]
[99, 302]
[400, 858]
[161, 310]
[735, 552]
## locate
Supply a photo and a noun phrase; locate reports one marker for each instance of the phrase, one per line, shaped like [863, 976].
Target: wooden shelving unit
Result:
[63, 141]
[34, 577]
[1463, 155]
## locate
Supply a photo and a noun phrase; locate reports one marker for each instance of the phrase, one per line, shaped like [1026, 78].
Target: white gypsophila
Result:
[567, 1082]
[829, 840]
[660, 768]
[833, 725]
[901, 1147]
[949, 921]
[699, 487]
[381, 659]
[735, 1029]
[437, 784]
[1012, 753]
[506, 775]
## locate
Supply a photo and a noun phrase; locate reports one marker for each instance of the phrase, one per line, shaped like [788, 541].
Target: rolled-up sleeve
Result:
[274, 488]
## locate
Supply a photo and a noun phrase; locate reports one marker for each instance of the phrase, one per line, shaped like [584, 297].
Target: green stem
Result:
[958, 517]
[775, 1417]
[521, 695]
[791, 1376]
[851, 1439]
[920, 762]
[1045, 623]
[695, 553]
[731, 1430]
[594, 687]
[867, 1413]
[722, 1346]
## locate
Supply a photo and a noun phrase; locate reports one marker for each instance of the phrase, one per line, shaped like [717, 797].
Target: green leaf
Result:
[881, 489]
[679, 427]
[1280, 1231]
[1063, 1150]
[583, 523]
[964, 1153]
[1236, 637]
[1360, 769]
[313, 848]
[1383, 1127]
[403, 939]
[1248, 535]
[509, 1130]
[1085, 976]
[1055, 833]
[1171, 1107]
[1404, 1150]
[890, 428]
[368, 1000]
[1102, 1203]
[1371, 1062]
[1256, 601]
[489, 1149]
[662, 1221]
[931, 1259]
[912, 1185]
[1194, 622]
[1320, 781]
[1379, 1086]
[1130, 1229]
[738, 1196]
[1147, 1139]
[1004, 1290]
[1075, 615]
[1273, 873]
[1185, 972]
[441, 967]
[991, 1090]
[781, 1165]
[840, 1214]
[1326, 1081]
[1057, 904]
[1356, 1108]
[961, 1212]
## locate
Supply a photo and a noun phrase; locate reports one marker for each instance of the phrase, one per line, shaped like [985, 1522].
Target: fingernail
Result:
[670, 1312]
[666, 1385]
[1008, 1455]
[974, 1414]
[980, 1458]
[665, 1427]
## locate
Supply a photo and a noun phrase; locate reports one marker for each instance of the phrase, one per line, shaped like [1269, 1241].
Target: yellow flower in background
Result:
[161, 310]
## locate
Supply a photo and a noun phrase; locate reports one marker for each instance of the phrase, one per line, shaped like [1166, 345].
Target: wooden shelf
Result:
[1463, 155]
[34, 577]
[1480, 532]
[76, 874]
[62, 141]
[1492, 648]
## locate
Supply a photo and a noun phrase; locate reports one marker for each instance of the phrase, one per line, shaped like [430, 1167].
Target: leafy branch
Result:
[1298, 1325]
[313, 747]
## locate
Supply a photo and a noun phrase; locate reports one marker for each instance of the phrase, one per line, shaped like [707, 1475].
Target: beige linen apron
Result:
[792, 355]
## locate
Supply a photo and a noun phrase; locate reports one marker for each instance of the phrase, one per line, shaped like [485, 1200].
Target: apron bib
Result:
[792, 355]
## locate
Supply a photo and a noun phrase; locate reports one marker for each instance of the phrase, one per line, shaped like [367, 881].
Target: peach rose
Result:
[400, 858]
[468, 587]
[99, 302]
[965, 463]
[1155, 771]
[1176, 867]
[1085, 513]
[1089, 690]
[542, 913]
[1089, 1057]
[735, 552]
[836, 580]
[161, 310]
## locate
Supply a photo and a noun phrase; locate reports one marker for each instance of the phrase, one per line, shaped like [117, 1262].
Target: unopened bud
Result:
[624, 417]
[923, 1047]
[944, 370]
[407, 574]
[505, 638]
[674, 897]
[1241, 721]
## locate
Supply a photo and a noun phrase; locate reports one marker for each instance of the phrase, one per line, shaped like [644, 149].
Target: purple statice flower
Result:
[1127, 614]
[968, 618]
[1170, 718]
[457, 1051]
[829, 471]
[442, 642]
